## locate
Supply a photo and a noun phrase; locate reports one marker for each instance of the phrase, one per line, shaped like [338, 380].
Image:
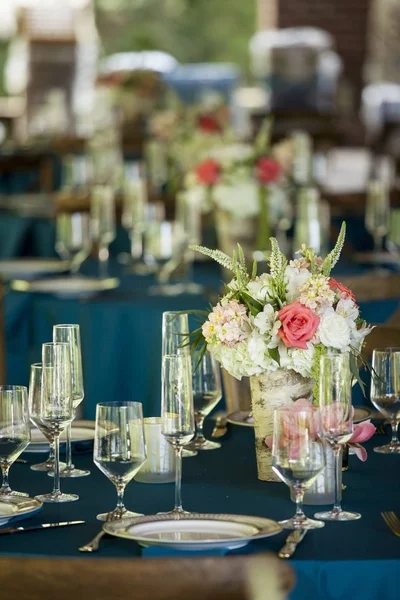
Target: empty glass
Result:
[336, 422]
[70, 334]
[102, 216]
[298, 457]
[15, 433]
[377, 213]
[207, 392]
[385, 392]
[119, 448]
[177, 411]
[56, 409]
[73, 241]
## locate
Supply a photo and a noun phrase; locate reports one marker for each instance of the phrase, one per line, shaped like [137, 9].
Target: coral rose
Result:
[268, 170]
[208, 172]
[344, 291]
[299, 325]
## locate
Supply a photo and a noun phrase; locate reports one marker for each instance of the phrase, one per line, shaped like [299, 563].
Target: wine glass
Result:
[207, 392]
[298, 457]
[377, 214]
[102, 217]
[70, 334]
[15, 433]
[56, 409]
[119, 448]
[73, 241]
[385, 392]
[337, 421]
[393, 239]
[175, 331]
[34, 400]
[177, 412]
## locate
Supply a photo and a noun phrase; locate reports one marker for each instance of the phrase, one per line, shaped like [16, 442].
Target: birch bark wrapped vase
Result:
[270, 391]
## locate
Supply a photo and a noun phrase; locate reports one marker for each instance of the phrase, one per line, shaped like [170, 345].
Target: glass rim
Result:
[152, 420]
[119, 404]
[387, 350]
[65, 325]
[37, 365]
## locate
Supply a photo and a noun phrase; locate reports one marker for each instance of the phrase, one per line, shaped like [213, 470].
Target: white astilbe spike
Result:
[219, 257]
[333, 257]
[276, 259]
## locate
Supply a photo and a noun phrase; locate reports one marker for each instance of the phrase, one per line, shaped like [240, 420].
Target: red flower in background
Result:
[208, 123]
[343, 290]
[208, 172]
[268, 170]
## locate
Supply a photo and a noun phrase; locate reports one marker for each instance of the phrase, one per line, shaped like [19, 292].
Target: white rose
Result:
[334, 331]
[295, 278]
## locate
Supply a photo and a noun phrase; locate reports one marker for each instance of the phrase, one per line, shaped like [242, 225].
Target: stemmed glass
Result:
[119, 448]
[34, 400]
[70, 334]
[207, 392]
[73, 240]
[134, 214]
[56, 409]
[385, 392]
[15, 433]
[393, 239]
[337, 422]
[177, 412]
[298, 457]
[102, 216]
[377, 214]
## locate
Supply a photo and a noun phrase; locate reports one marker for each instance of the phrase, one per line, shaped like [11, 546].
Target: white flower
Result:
[239, 197]
[297, 359]
[231, 153]
[358, 336]
[258, 352]
[296, 279]
[236, 361]
[333, 330]
[348, 310]
[199, 197]
[260, 287]
[267, 324]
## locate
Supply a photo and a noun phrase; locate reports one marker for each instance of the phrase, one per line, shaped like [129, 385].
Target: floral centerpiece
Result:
[274, 328]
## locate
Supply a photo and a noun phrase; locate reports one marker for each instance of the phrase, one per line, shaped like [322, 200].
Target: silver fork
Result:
[392, 521]
[93, 545]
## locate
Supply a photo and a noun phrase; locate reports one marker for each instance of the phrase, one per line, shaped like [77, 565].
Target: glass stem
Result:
[103, 257]
[69, 466]
[120, 496]
[338, 469]
[395, 440]
[5, 486]
[377, 243]
[136, 244]
[178, 479]
[299, 493]
[199, 426]
[56, 487]
[51, 451]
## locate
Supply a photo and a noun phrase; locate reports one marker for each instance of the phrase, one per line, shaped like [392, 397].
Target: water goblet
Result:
[177, 412]
[119, 448]
[385, 392]
[336, 421]
[73, 241]
[15, 432]
[298, 457]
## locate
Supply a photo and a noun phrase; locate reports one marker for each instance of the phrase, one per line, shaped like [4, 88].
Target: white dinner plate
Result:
[29, 268]
[81, 431]
[195, 531]
[244, 418]
[66, 287]
[17, 508]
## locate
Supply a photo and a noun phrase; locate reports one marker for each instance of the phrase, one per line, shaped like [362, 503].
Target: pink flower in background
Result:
[208, 172]
[342, 290]
[268, 170]
[299, 325]
[362, 433]
[292, 426]
[336, 419]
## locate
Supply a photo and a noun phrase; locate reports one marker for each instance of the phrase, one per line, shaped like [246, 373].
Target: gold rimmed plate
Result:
[195, 531]
[66, 287]
[16, 508]
[29, 268]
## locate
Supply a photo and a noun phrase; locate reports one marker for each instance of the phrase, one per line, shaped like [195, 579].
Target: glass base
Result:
[10, 492]
[117, 514]
[202, 444]
[337, 515]
[176, 512]
[65, 473]
[388, 449]
[54, 498]
[305, 523]
[46, 466]
[188, 453]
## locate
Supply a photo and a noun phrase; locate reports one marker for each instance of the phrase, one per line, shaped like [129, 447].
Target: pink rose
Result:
[299, 325]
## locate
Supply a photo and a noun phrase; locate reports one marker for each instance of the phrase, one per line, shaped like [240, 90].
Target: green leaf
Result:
[254, 270]
[274, 354]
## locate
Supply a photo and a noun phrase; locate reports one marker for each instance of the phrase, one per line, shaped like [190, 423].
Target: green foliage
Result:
[320, 350]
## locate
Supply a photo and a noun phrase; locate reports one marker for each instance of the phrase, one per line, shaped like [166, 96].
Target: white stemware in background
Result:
[177, 412]
[15, 433]
[102, 217]
[393, 238]
[336, 422]
[119, 448]
[70, 334]
[377, 213]
[73, 239]
[385, 392]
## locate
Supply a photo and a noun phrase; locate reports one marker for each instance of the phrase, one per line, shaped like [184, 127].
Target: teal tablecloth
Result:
[342, 561]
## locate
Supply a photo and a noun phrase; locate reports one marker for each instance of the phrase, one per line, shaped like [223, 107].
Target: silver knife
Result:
[292, 540]
[36, 527]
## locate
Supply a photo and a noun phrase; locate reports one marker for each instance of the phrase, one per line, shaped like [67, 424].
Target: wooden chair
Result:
[217, 578]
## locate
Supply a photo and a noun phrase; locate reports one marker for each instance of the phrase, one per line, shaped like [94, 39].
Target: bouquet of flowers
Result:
[286, 318]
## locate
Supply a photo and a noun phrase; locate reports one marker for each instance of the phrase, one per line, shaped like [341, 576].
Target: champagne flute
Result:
[298, 457]
[34, 400]
[134, 214]
[70, 334]
[102, 216]
[337, 421]
[385, 392]
[73, 241]
[177, 412]
[377, 214]
[56, 409]
[119, 448]
[207, 392]
[15, 433]
[393, 239]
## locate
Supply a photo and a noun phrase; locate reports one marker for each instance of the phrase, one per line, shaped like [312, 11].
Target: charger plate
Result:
[244, 418]
[16, 508]
[29, 268]
[81, 431]
[194, 531]
[66, 287]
